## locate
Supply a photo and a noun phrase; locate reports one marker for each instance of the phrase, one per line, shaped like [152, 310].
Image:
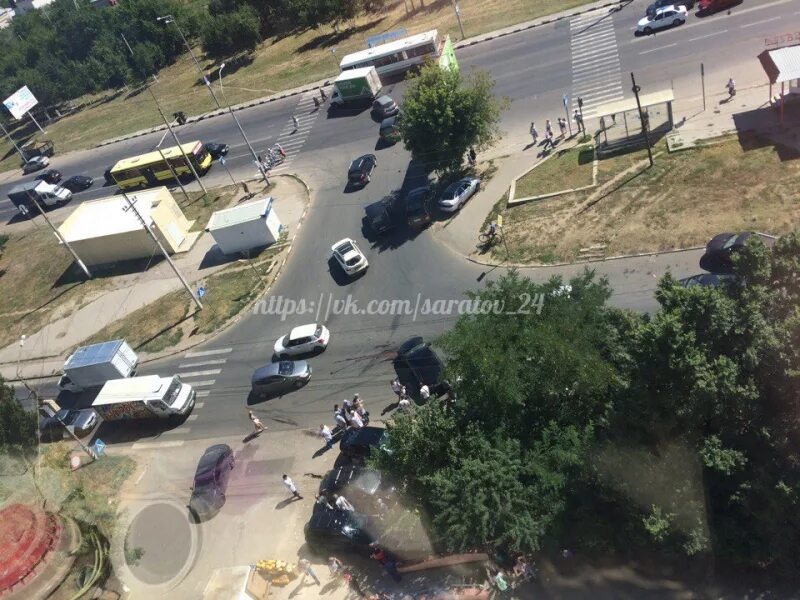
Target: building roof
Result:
[243, 213]
[781, 64]
[109, 216]
[143, 159]
[621, 106]
[389, 48]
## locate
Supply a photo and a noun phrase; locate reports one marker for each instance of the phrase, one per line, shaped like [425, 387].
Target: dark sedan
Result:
[211, 482]
[78, 183]
[360, 171]
[216, 150]
[418, 213]
[423, 363]
[356, 483]
[278, 378]
[338, 531]
[357, 444]
[79, 422]
[50, 176]
[718, 258]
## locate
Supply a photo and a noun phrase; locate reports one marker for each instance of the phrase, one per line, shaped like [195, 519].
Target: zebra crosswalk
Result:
[293, 136]
[596, 77]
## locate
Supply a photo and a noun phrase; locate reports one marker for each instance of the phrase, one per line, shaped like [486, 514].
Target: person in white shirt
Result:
[343, 504]
[287, 481]
[404, 403]
[341, 422]
[355, 420]
[396, 386]
[326, 434]
[424, 392]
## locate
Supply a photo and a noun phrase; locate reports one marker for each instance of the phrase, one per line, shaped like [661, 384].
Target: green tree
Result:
[17, 425]
[232, 32]
[445, 114]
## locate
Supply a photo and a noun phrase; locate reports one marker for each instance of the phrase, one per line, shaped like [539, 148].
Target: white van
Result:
[148, 397]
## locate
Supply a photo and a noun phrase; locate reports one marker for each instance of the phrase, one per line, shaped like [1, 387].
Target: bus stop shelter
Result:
[782, 65]
[621, 124]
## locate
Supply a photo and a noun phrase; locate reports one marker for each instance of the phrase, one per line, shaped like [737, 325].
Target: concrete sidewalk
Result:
[747, 113]
[44, 351]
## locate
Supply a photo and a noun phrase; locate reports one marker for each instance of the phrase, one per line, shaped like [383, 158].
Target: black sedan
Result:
[338, 531]
[216, 150]
[423, 363]
[278, 378]
[50, 176]
[211, 481]
[358, 484]
[79, 422]
[720, 250]
[360, 171]
[78, 183]
[357, 444]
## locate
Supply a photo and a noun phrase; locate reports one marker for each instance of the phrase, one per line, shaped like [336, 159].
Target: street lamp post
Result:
[167, 19]
[239, 125]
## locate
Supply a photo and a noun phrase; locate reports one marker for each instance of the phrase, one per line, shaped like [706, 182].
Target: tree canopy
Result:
[17, 426]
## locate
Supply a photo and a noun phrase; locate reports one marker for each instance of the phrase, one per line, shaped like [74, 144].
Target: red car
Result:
[711, 6]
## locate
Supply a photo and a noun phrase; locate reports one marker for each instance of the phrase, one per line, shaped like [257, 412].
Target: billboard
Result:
[20, 102]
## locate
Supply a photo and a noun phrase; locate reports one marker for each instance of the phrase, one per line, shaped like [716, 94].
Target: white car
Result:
[457, 193]
[303, 340]
[349, 256]
[663, 17]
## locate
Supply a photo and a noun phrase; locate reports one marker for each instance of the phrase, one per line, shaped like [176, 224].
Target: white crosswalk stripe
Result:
[201, 373]
[596, 71]
[292, 138]
[207, 352]
[204, 363]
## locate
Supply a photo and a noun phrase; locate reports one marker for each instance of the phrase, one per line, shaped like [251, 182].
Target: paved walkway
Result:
[44, 351]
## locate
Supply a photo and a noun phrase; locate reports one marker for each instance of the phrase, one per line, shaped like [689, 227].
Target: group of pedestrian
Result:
[549, 139]
[403, 399]
[334, 501]
[352, 414]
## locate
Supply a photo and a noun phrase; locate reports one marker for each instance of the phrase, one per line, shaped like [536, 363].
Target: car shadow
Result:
[351, 110]
[383, 143]
[126, 431]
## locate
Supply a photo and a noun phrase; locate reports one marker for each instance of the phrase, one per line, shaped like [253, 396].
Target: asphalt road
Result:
[534, 68]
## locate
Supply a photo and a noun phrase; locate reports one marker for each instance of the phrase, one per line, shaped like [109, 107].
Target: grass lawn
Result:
[567, 169]
[278, 64]
[684, 200]
[172, 318]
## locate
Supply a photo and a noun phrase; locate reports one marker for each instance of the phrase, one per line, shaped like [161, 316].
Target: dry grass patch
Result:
[683, 201]
[566, 169]
[278, 64]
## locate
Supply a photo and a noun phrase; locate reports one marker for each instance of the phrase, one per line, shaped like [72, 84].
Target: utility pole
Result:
[132, 206]
[59, 236]
[636, 89]
[13, 143]
[167, 19]
[458, 18]
[703, 83]
[239, 125]
[169, 127]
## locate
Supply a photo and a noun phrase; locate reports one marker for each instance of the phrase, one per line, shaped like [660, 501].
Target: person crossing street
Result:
[534, 133]
[259, 426]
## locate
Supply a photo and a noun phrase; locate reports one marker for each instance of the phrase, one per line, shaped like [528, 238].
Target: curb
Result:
[315, 86]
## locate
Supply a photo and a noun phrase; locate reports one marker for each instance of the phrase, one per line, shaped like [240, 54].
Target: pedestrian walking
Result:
[287, 481]
[396, 386]
[294, 121]
[424, 392]
[259, 426]
[548, 127]
[327, 435]
[316, 103]
[347, 405]
[731, 85]
[472, 157]
[356, 422]
[305, 567]
[578, 120]
[323, 95]
[335, 566]
[338, 416]
[549, 143]
[343, 504]
[562, 125]
[534, 133]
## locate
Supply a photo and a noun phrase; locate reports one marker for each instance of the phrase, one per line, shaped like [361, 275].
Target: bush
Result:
[229, 33]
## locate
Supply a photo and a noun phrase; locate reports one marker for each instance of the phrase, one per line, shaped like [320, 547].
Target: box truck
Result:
[25, 195]
[91, 366]
[356, 86]
[150, 397]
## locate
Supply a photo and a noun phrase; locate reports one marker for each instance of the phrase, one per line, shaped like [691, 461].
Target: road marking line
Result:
[155, 445]
[595, 36]
[593, 98]
[600, 62]
[202, 393]
[601, 87]
[195, 384]
[605, 51]
[207, 352]
[658, 49]
[200, 373]
[702, 37]
[177, 430]
[754, 23]
[590, 78]
[191, 418]
[198, 405]
[205, 363]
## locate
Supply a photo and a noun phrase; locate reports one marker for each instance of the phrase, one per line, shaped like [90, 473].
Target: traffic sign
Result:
[99, 446]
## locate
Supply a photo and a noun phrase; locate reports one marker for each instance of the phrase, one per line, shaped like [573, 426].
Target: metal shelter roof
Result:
[781, 64]
[243, 213]
[621, 106]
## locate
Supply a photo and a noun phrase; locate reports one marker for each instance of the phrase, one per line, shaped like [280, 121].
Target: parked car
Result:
[651, 10]
[36, 163]
[706, 280]
[79, 422]
[107, 176]
[423, 363]
[389, 130]
[333, 531]
[706, 7]
[380, 215]
[51, 176]
[418, 212]
[351, 480]
[719, 251]
[216, 150]
[384, 107]
[661, 19]
[457, 193]
[360, 171]
[357, 444]
[278, 378]
[211, 482]
[349, 256]
[78, 183]
[302, 340]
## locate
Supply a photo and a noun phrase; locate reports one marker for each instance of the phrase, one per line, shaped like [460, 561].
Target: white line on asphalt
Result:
[593, 97]
[195, 384]
[702, 37]
[205, 363]
[200, 373]
[590, 78]
[198, 405]
[177, 430]
[154, 445]
[597, 63]
[202, 393]
[207, 352]
[608, 50]
[289, 143]
[596, 89]
[598, 38]
[658, 49]
[754, 23]
[191, 418]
